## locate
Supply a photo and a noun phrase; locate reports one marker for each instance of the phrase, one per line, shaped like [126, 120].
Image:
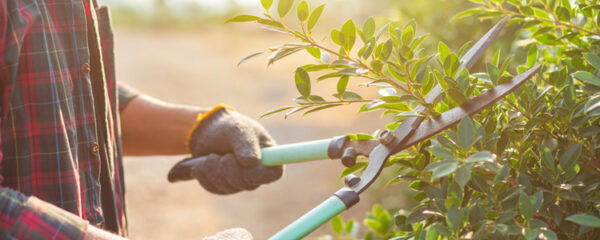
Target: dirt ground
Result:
[200, 68]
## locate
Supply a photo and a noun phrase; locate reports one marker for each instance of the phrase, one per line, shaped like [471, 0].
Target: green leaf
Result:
[563, 14]
[466, 133]
[294, 110]
[369, 28]
[302, 11]
[549, 234]
[351, 228]
[408, 35]
[276, 110]
[335, 37]
[348, 96]
[249, 57]
[374, 225]
[531, 234]
[432, 165]
[444, 170]
[281, 53]
[356, 167]
[532, 55]
[314, 17]
[315, 52]
[400, 221]
[454, 219]
[316, 99]
[329, 75]
[302, 82]
[439, 228]
[525, 206]
[302, 100]
[569, 158]
[277, 25]
[451, 65]
[349, 35]
[592, 106]
[593, 59]
[441, 168]
[585, 220]
[480, 157]
[547, 157]
[316, 67]
[456, 95]
[377, 65]
[342, 84]
[494, 73]
[322, 107]
[526, 10]
[440, 152]
[386, 49]
[541, 13]
[444, 51]
[463, 175]
[467, 13]
[266, 4]
[337, 224]
[242, 18]
[284, 7]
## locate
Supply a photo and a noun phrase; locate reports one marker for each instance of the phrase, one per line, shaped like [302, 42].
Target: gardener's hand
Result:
[232, 142]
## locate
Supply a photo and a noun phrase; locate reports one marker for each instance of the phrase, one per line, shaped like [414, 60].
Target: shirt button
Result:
[85, 68]
[94, 148]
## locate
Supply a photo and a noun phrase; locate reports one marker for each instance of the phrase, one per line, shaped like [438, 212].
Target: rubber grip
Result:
[311, 220]
[270, 156]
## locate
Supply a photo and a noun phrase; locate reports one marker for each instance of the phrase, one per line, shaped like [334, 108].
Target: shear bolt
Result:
[351, 180]
[349, 157]
[386, 137]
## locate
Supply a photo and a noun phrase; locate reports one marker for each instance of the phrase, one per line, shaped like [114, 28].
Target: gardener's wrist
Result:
[201, 122]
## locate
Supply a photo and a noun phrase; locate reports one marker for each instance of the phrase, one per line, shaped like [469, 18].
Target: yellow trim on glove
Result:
[199, 119]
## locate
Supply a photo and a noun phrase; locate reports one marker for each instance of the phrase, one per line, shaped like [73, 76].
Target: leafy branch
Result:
[391, 63]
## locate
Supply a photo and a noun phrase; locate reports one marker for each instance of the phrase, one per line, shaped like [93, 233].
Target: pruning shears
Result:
[410, 132]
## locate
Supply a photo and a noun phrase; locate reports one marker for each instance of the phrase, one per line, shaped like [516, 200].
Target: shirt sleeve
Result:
[23, 217]
[125, 95]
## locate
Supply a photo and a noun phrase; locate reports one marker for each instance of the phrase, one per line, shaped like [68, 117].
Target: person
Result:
[65, 123]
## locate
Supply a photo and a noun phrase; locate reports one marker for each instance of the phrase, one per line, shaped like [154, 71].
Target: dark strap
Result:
[101, 111]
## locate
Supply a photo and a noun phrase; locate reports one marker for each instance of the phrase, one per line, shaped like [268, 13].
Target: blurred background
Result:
[180, 51]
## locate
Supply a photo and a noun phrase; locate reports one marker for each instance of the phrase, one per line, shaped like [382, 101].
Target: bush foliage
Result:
[525, 168]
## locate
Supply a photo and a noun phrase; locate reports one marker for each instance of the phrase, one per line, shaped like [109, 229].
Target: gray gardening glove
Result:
[231, 143]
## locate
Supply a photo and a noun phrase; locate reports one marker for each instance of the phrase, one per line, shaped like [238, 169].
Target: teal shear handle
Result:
[295, 152]
[311, 220]
[273, 156]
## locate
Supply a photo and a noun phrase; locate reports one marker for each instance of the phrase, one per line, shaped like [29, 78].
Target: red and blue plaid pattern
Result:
[59, 112]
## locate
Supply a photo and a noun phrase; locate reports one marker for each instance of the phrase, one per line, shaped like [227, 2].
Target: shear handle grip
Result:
[270, 156]
[311, 220]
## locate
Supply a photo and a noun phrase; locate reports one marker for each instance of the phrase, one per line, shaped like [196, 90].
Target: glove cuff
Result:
[203, 117]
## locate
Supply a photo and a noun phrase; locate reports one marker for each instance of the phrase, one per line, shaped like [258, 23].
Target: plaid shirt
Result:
[59, 120]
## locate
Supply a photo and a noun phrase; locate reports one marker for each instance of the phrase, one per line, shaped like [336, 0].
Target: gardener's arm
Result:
[153, 127]
[24, 217]
[230, 140]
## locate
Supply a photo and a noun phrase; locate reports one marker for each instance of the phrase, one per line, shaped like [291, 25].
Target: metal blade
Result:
[380, 154]
[404, 133]
[475, 105]
[467, 61]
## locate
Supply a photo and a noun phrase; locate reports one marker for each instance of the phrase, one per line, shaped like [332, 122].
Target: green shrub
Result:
[525, 168]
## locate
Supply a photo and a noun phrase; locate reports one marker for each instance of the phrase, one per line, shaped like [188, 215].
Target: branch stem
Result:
[360, 63]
